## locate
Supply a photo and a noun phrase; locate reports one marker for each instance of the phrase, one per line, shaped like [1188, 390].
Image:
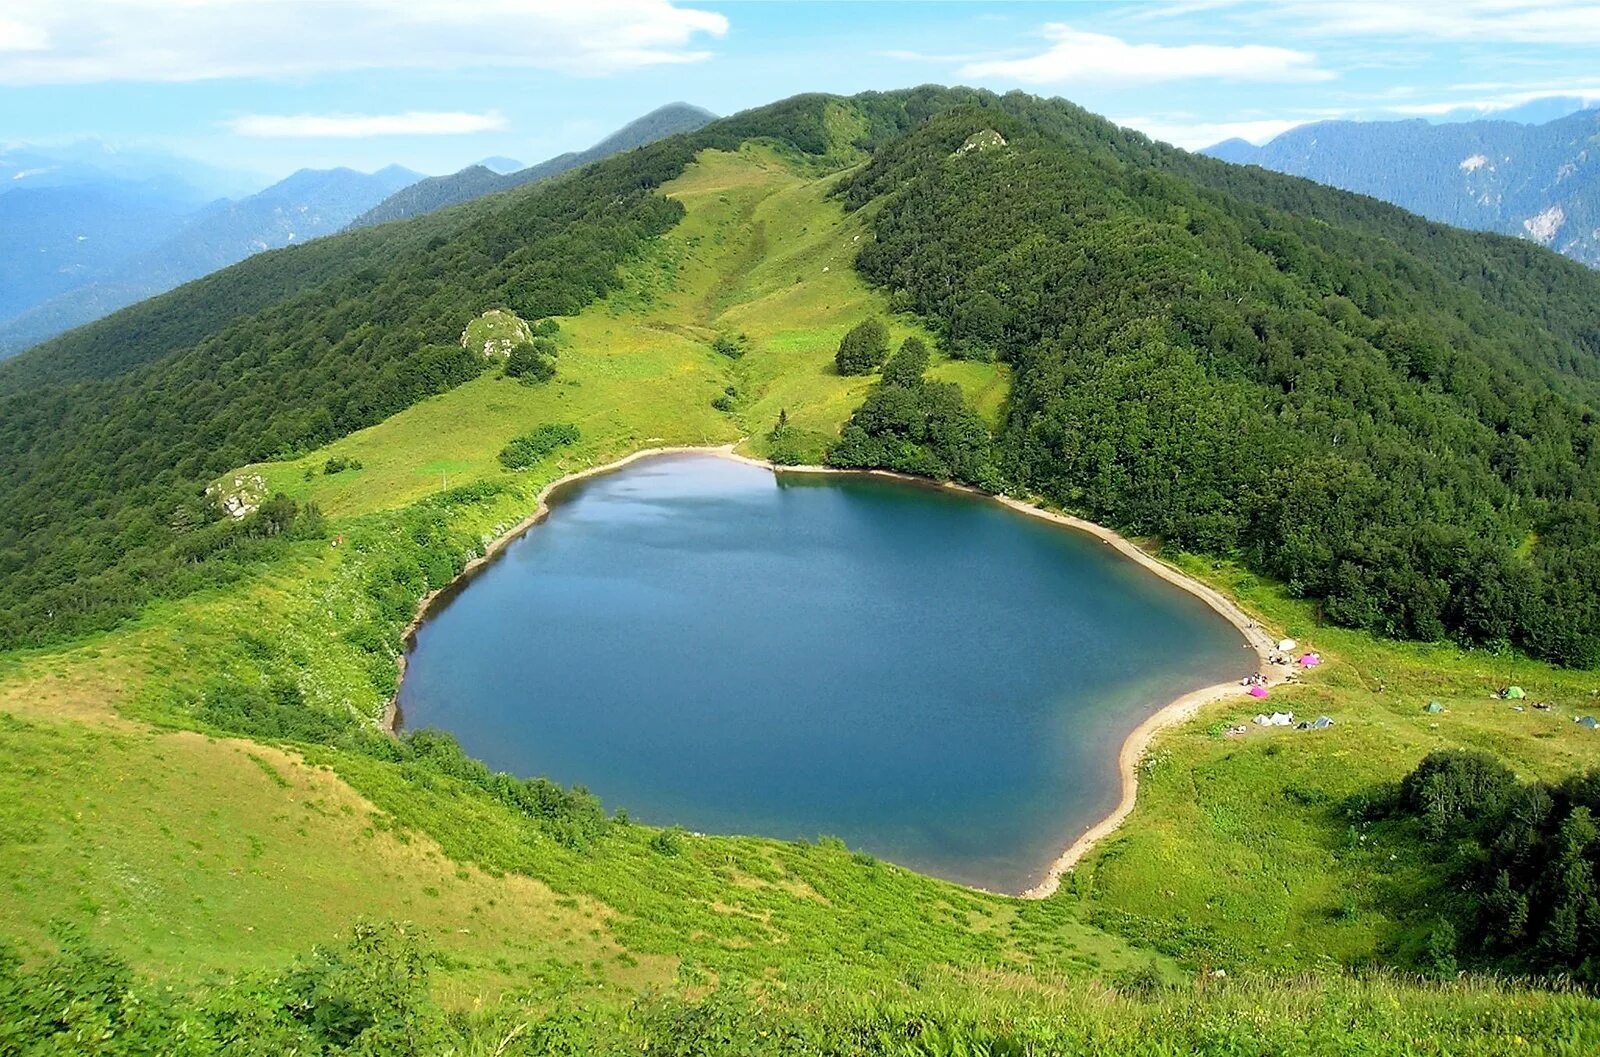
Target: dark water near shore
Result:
[938, 680]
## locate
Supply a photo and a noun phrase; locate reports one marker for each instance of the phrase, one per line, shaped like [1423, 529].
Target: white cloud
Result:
[1563, 22]
[22, 36]
[358, 126]
[1097, 58]
[1193, 135]
[86, 41]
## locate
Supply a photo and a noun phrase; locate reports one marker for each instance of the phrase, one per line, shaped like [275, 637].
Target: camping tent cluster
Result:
[1286, 719]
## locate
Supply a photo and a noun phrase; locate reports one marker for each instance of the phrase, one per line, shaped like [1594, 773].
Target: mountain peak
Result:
[501, 164]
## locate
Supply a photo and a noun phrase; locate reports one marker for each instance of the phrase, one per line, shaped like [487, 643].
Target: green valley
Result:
[1301, 399]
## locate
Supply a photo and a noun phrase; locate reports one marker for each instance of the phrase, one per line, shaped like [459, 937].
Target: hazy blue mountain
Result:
[481, 179]
[143, 245]
[54, 237]
[501, 164]
[1540, 182]
[67, 213]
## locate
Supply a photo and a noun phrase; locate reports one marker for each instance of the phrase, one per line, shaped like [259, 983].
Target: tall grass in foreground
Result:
[371, 996]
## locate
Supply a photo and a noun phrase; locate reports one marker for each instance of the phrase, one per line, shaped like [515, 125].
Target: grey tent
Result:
[1433, 707]
[1322, 723]
[1590, 722]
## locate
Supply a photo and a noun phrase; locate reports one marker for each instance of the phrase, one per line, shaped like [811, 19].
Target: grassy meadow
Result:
[128, 815]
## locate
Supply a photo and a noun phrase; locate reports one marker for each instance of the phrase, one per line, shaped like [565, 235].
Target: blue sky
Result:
[272, 85]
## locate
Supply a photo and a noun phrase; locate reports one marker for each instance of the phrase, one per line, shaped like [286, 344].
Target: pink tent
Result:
[1310, 660]
[1258, 691]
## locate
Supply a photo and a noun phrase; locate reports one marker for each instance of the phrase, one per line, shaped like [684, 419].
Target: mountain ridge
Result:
[307, 204]
[1540, 182]
[481, 179]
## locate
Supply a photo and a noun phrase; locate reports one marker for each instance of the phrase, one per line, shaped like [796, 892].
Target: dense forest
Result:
[1392, 417]
[1334, 408]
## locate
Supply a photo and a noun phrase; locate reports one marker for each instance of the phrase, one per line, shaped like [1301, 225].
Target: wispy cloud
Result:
[1492, 99]
[88, 41]
[1563, 22]
[1078, 56]
[360, 126]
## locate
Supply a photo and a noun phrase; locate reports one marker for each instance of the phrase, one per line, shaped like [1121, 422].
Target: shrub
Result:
[529, 448]
[532, 361]
[785, 443]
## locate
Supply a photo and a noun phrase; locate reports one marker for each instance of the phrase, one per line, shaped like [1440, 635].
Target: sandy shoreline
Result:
[1133, 747]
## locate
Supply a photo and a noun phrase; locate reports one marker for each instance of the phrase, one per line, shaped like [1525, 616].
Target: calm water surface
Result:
[932, 677]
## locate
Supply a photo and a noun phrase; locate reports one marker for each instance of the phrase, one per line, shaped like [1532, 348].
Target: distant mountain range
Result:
[72, 253]
[1535, 181]
[86, 229]
[483, 178]
[68, 212]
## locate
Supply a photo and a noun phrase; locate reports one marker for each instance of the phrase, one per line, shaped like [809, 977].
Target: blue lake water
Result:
[936, 679]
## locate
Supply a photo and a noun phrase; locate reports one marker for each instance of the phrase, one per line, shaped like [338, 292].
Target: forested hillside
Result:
[103, 482]
[1415, 451]
[1390, 416]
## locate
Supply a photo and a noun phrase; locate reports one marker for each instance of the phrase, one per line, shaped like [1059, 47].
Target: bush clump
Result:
[529, 448]
[863, 348]
[532, 362]
[1523, 862]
